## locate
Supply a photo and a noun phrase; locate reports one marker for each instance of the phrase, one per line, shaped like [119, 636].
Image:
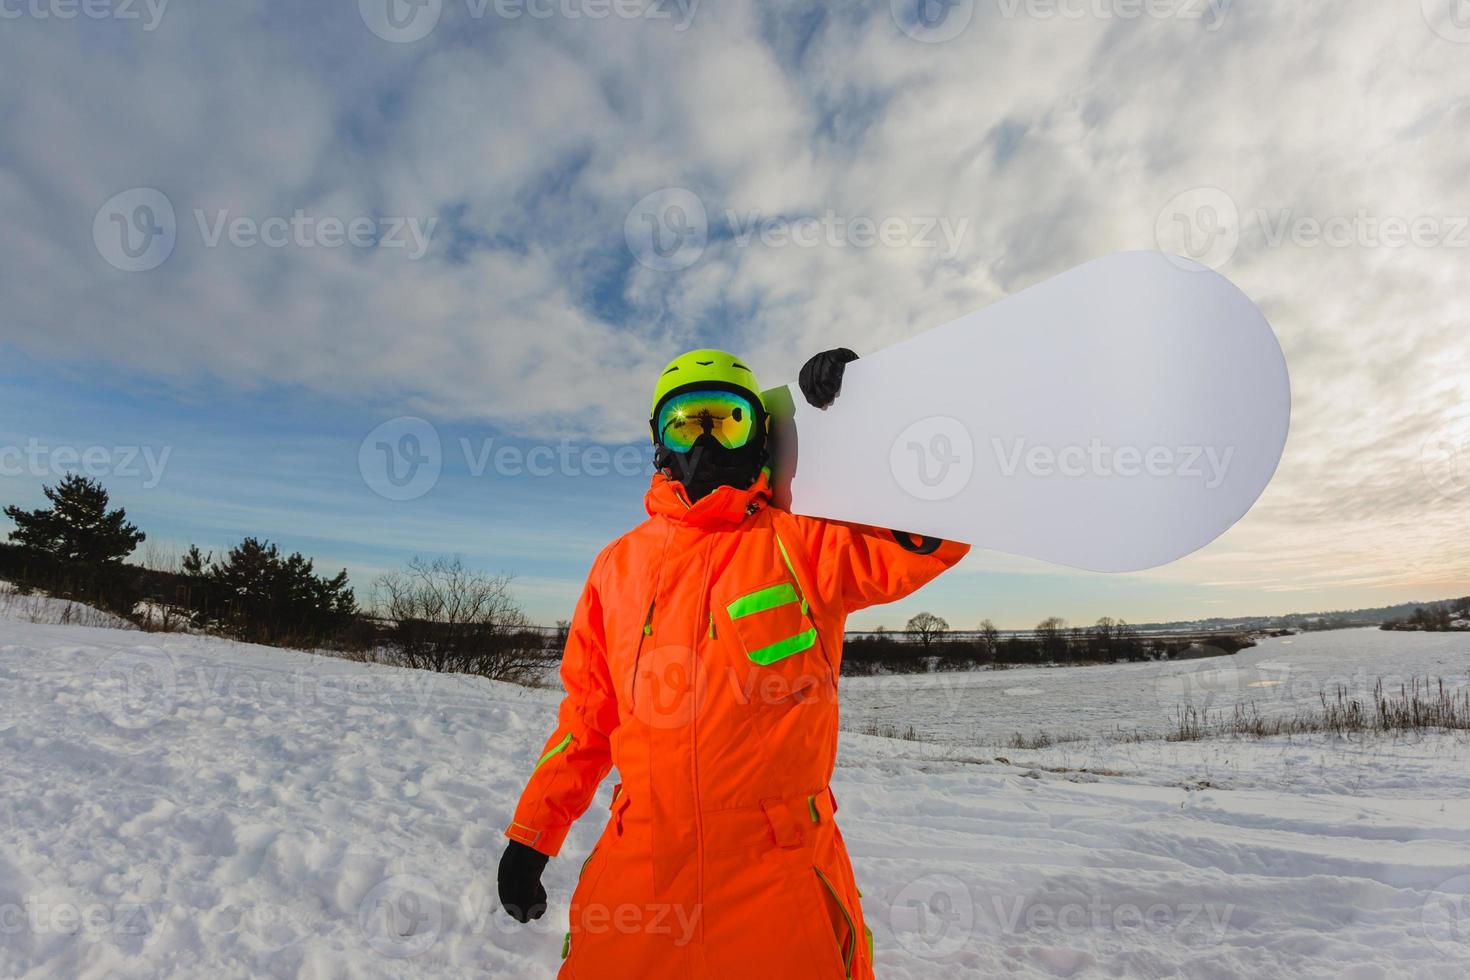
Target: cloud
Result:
[527, 140]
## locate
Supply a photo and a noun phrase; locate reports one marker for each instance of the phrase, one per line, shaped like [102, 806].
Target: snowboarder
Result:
[702, 662]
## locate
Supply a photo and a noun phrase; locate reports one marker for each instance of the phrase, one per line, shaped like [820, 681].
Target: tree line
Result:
[1437, 617]
[1052, 641]
[436, 614]
[433, 615]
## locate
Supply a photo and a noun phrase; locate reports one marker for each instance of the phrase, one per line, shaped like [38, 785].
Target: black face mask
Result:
[709, 465]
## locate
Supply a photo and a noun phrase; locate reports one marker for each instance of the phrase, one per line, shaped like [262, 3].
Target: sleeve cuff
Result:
[547, 841]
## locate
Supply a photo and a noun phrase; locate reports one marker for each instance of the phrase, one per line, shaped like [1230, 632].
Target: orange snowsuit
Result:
[702, 661]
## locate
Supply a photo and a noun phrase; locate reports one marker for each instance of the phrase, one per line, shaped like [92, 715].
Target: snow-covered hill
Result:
[184, 806]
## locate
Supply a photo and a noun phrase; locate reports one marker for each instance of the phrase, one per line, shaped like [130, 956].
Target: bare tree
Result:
[451, 619]
[989, 638]
[927, 627]
[1050, 635]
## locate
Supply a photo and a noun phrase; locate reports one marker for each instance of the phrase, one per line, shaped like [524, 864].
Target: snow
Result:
[1279, 676]
[175, 805]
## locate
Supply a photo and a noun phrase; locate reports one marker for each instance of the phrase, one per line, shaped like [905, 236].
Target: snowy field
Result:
[1279, 676]
[189, 807]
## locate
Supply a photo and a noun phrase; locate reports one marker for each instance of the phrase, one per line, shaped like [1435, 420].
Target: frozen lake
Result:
[1279, 676]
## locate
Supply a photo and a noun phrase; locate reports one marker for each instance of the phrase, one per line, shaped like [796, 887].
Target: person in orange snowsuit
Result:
[702, 662]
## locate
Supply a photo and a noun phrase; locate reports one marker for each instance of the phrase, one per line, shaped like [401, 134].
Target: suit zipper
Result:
[638, 654]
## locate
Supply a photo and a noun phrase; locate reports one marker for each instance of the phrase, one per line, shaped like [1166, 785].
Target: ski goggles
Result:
[728, 417]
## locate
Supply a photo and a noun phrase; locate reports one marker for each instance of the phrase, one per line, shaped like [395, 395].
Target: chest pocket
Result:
[772, 622]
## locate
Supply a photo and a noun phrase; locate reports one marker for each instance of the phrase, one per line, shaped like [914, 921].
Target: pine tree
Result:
[77, 526]
[264, 597]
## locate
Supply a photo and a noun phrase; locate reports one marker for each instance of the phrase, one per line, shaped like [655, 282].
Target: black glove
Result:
[521, 893]
[821, 376]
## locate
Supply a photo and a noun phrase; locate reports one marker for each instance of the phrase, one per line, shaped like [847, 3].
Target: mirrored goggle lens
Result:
[726, 416]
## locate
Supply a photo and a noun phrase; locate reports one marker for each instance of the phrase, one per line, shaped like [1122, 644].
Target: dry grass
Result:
[46, 611]
[1419, 706]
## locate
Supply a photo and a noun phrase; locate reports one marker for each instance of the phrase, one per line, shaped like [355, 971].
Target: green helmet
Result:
[704, 367]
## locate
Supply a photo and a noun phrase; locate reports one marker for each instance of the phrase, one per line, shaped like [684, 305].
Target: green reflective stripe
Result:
[850, 946]
[811, 803]
[870, 942]
[566, 945]
[784, 648]
[558, 747]
[792, 569]
[760, 601]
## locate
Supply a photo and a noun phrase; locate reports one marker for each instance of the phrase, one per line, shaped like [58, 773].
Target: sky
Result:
[253, 250]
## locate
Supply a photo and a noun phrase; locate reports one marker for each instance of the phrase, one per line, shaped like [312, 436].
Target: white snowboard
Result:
[1114, 418]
